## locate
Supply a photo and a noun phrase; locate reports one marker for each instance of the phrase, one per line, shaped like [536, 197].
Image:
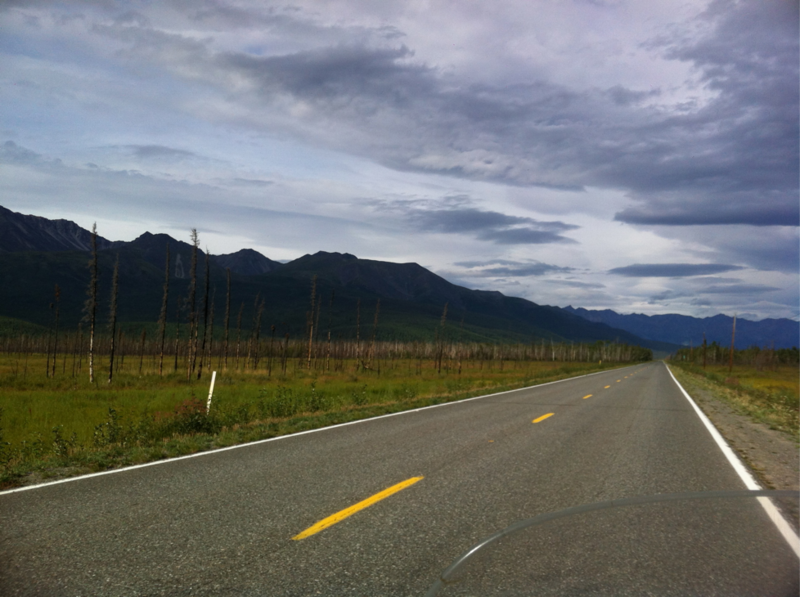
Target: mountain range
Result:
[685, 330]
[37, 253]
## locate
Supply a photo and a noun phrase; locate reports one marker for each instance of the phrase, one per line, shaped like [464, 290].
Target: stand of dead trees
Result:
[194, 350]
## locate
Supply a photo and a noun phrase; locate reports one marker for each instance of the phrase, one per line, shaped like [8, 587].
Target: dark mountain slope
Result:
[411, 297]
[19, 232]
[247, 262]
[411, 282]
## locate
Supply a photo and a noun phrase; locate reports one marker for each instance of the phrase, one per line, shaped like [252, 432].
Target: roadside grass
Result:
[769, 396]
[63, 426]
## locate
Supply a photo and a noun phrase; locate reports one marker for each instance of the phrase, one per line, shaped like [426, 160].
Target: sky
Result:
[606, 154]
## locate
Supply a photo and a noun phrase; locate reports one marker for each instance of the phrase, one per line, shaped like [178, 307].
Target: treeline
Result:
[188, 341]
[760, 358]
[274, 355]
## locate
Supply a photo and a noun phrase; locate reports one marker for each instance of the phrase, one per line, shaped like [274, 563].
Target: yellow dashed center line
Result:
[619, 380]
[605, 388]
[542, 418]
[588, 396]
[340, 516]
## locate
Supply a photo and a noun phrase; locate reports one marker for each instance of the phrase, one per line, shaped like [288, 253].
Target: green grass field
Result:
[53, 423]
[771, 396]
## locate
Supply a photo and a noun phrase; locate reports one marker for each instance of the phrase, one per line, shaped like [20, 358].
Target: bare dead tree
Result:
[191, 303]
[47, 345]
[330, 321]
[141, 350]
[441, 338]
[238, 333]
[90, 307]
[271, 342]
[358, 334]
[55, 333]
[205, 318]
[705, 347]
[310, 319]
[177, 335]
[211, 327]
[162, 318]
[371, 352]
[227, 317]
[252, 333]
[112, 317]
[285, 353]
[257, 334]
[733, 343]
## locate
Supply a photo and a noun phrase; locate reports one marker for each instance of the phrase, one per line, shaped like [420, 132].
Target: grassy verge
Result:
[63, 426]
[770, 397]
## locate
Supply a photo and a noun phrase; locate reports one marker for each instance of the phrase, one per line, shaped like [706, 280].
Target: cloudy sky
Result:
[639, 156]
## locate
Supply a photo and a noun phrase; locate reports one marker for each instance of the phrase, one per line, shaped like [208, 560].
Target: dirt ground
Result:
[771, 455]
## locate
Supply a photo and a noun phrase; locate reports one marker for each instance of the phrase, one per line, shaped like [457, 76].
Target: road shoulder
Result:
[770, 454]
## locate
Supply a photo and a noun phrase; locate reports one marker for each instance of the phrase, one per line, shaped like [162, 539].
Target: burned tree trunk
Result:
[90, 307]
[112, 318]
[162, 318]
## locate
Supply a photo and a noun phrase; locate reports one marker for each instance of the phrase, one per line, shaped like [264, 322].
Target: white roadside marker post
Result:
[211, 391]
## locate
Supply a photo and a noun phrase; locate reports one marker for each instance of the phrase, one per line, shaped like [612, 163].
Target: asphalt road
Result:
[223, 523]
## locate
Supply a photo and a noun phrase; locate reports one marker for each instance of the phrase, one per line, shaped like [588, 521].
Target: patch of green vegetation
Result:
[13, 328]
[769, 396]
[66, 426]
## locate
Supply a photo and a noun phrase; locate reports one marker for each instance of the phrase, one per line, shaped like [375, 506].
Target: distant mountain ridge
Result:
[686, 330]
[38, 253]
[20, 232]
[247, 262]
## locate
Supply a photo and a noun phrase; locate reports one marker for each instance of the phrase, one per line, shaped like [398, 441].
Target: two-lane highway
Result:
[381, 507]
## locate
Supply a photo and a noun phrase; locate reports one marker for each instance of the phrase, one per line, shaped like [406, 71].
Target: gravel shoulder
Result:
[772, 455]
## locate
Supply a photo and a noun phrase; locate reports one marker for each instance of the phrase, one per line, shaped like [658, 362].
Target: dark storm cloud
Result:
[672, 270]
[465, 220]
[737, 289]
[523, 236]
[252, 182]
[749, 211]
[336, 76]
[576, 284]
[509, 268]
[740, 162]
[159, 151]
[624, 97]
[11, 153]
[492, 226]
[733, 159]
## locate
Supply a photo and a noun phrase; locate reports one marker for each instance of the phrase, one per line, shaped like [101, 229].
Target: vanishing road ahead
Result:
[226, 523]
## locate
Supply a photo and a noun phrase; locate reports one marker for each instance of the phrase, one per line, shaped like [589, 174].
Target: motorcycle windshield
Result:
[711, 543]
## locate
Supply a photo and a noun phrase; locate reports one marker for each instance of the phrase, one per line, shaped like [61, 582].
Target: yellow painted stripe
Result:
[543, 417]
[340, 516]
[619, 380]
[589, 396]
[605, 388]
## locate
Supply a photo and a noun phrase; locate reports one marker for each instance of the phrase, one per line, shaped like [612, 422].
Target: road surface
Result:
[409, 493]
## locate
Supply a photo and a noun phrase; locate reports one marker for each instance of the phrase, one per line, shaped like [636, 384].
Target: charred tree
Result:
[205, 318]
[55, 332]
[227, 317]
[90, 307]
[162, 318]
[112, 318]
[191, 304]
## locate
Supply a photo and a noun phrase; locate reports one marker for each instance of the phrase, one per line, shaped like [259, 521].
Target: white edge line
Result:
[290, 435]
[780, 522]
